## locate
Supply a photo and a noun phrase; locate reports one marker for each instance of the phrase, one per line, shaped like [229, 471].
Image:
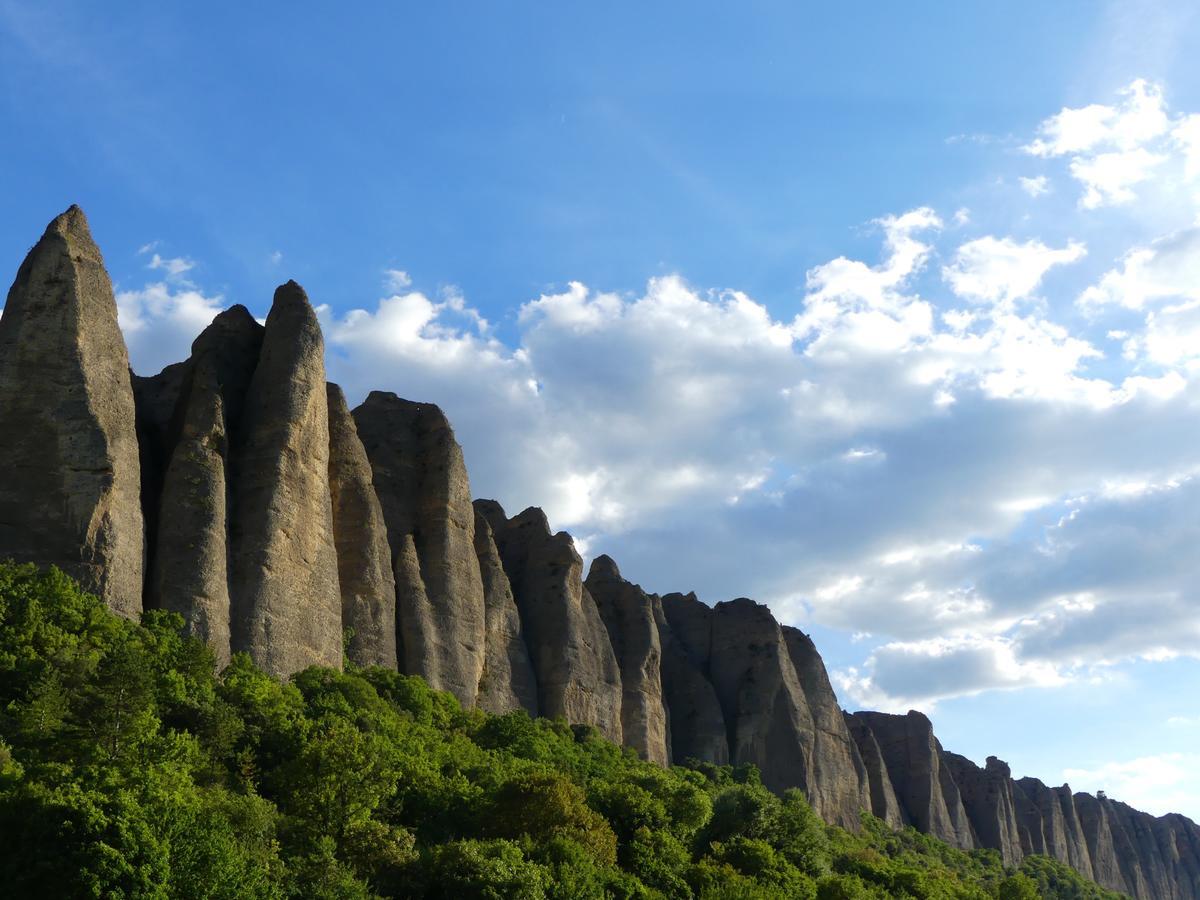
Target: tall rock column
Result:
[189, 571]
[364, 556]
[577, 673]
[287, 605]
[840, 786]
[628, 614]
[987, 796]
[421, 480]
[884, 804]
[697, 722]
[70, 491]
[766, 712]
[508, 681]
[923, 785]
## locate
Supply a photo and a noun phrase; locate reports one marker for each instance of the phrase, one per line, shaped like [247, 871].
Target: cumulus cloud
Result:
[161, 320]
[1113, 148]
[1035, 186]
[915, 675]
[1003, 270]
[1158, 784]
[1167, 268]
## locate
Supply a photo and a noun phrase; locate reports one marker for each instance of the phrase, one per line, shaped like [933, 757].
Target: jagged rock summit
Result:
[238, 489]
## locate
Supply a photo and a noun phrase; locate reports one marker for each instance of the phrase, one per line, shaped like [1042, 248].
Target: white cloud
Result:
[1035, 186]
[1002, 270]
[396, 280]
[1112, 149]
[173, 268]
[1167, 268]
[1108, 178]
[901, 675]
[1140, 117]
[1157, 784]
[160, 321]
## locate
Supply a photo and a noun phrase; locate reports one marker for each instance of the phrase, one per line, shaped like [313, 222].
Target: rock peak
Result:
[604, 567]
[70, 222]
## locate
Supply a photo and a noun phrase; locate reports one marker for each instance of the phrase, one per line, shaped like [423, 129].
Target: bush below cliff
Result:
[130, 768]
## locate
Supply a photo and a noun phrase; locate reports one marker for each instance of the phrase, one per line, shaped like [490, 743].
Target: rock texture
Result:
[577, 673]
[276, 521]
[628, 614]
[924, 787]
[508, 681]
[839, 784]
[287, 605]
[71, 482]
[987, 797]
[884, 803]
[189, 505]
[421, 480]
[364, 556]
[697, 724]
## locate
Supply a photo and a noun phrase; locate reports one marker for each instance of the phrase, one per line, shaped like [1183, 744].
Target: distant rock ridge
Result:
[238, 489]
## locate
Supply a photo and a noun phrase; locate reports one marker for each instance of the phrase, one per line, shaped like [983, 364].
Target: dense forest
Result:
[129, 767]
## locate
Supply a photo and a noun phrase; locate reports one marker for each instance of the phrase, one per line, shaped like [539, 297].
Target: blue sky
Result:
[887, 316]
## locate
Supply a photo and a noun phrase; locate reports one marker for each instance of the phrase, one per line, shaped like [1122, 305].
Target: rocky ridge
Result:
[238, 489]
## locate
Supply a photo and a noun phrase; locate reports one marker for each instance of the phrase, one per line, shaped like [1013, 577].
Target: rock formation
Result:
[422, 484]
[628, 615]
[192, 410]
[69, 453]
[508, 681]
[697, 725]
[364, 556]
[577, 673]
[924, 786]
[287, 605]
[840, 786]
[276, 521]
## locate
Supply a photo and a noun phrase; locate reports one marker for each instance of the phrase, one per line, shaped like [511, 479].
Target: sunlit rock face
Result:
[69, 494]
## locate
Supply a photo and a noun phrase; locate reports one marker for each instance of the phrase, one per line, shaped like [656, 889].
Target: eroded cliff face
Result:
[69, 452]
[628, 615]
[421, 480]
[577, 673]
[276, 521]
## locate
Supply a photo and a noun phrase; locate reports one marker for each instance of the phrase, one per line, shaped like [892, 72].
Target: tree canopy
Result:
[130, 767]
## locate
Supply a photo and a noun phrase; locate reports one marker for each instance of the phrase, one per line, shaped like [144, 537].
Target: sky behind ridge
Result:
[886, 316]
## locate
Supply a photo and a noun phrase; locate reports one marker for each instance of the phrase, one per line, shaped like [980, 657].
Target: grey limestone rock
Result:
[840, 786]
[987, 796]
[421, 480]
[884, 804]
[508, 681]
[577, 673]
[286, 602]
[628, 614]
[696, 720]
[70, 493]
[925, 788]
[766, 713]
[188, 560]
[364, 556]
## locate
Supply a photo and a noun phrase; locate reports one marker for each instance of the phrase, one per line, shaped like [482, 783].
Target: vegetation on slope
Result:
[129, 768]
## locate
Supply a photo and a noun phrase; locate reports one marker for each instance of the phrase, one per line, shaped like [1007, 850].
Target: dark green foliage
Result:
[130, 768]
